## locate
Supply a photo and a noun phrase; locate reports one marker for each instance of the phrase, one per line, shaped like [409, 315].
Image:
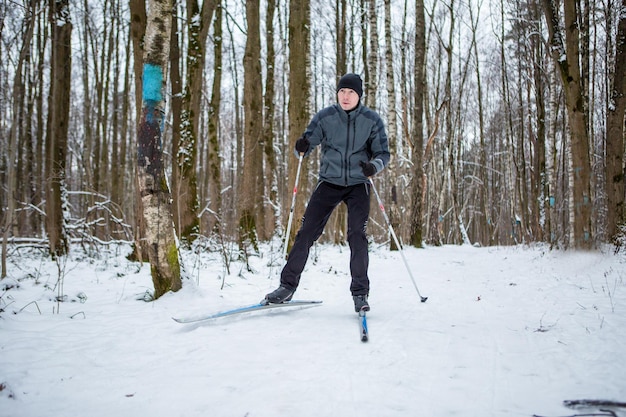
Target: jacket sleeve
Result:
[379, 146]
[313, 133]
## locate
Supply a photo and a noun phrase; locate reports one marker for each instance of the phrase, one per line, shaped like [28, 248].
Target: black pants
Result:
[321, 205]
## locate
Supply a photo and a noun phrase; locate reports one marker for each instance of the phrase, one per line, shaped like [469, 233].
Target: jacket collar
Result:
[344, 114]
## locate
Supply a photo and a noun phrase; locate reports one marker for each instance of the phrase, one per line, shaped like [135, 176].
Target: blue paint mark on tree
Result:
[152, 82]
[152, 92]
[149, 135]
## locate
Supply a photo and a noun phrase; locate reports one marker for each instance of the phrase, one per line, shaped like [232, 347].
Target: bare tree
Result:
[299, 90]
[213, 159]
[176, 104]
[566, 54]
[616, 213]
[417, 145]
[138, 18]
[121, 117]
[341, 23]
[371, 82]
[19, 97]
[481, 221]
[138, 31]
[186, 207]
[153, 192]
[37, 177]
[392, 125]
[540, 180]
[88, 40]
[236, 143]
[58, 123]
[337, 223]
[271, 171]
[449, 191]
[248, 192]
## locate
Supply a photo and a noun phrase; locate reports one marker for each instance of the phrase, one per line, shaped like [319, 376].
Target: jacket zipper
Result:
[345, 155]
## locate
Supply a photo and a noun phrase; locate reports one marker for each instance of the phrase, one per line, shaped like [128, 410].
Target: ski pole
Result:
[395, 238]
[293, 205]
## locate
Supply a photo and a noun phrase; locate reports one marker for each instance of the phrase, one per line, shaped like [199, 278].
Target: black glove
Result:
[302, 144]
[369, 169]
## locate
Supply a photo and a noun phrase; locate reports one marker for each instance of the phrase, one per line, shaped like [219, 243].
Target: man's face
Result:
[347, 98]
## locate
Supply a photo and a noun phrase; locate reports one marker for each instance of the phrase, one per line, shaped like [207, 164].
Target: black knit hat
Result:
[352, 81]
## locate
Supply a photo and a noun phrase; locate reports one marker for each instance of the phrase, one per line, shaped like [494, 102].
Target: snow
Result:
[506, 331]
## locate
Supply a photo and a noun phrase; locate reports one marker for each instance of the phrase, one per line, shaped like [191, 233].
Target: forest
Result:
[170, 124]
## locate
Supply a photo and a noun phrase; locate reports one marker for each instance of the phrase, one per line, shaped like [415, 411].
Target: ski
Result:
[247, 309]
[363, 325]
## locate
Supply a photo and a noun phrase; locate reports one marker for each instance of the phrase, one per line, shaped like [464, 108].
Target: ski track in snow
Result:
[505, 332]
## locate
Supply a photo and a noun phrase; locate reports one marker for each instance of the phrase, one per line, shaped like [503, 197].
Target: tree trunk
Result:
[566, 58]
[177, 110]
[137, 33]
[337, 222]
[178, 197]
[482, 226]
[213, 159]
[40, 150]
[120, 196]
[299, 96]
[115, 181]
[616, 214]
[58, 117]
[248, 195]
[153, 192]
[392, 127]
[19, 96]
[365, 56]
[417, 188]
[371, 82]
[88, 76]
[552, 160]
[451, 184]
[236, 145]
[341, 29]
[271, 171]
[198, 23]
[540, 195]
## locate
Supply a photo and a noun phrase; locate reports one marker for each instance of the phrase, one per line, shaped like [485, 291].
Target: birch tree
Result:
[153, 190]
[371, 81]
[392, 127]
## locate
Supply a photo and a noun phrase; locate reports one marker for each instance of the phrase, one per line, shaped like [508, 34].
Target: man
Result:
[354, 147]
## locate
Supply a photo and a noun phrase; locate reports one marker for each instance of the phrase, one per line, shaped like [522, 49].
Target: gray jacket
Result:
[347, 139]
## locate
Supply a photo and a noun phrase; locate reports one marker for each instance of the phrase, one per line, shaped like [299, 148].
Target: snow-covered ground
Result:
[506, 331]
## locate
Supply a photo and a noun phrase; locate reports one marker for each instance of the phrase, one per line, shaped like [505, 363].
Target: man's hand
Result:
[302, 144]
[368, 168]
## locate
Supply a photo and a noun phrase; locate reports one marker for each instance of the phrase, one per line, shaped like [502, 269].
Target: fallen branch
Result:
[593, 403]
